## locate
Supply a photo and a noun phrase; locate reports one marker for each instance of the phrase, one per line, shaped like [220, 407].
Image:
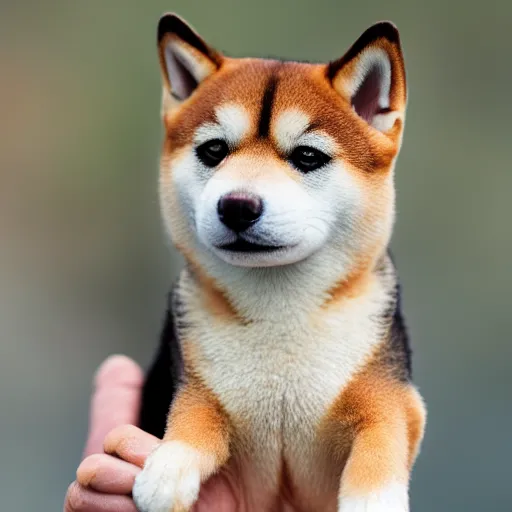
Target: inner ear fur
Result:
[371, 76]
[185, 59]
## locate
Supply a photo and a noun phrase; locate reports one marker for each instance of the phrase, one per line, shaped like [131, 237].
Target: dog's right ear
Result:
[186, 60]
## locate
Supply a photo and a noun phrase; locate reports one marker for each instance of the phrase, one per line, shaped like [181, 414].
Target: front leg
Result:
[375, 478]
[195, 446]
[387, 433]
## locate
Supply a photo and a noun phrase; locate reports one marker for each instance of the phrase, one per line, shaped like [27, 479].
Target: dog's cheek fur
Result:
[364, 206]
[179, 188]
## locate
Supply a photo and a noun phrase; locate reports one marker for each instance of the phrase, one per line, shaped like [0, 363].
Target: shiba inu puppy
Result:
[284, 358]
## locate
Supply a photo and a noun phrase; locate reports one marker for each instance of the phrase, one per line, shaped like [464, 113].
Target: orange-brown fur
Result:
[214, 299]
[368, 155]
[416, 419]
[243, 81]
[370, 434]
[381, 428]
[349, 286]
[197, 418]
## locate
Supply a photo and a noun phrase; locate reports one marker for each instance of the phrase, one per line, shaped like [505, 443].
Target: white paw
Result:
[170, 479]
[393, 498]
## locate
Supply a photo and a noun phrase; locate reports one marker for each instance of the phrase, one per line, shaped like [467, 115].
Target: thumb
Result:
[115, 400]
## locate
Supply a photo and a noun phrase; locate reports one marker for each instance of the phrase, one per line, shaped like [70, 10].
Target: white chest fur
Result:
[277, 379]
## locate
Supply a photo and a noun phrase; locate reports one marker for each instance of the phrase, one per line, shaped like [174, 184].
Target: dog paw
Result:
[171, 478]
[393, 498]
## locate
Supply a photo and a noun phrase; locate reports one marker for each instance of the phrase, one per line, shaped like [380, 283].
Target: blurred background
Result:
[84, 266]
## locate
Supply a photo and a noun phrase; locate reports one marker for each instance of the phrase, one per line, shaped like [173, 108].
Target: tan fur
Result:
[368, 155]
[256, 160]
[197, 418]
[214, 299]
[349, 287]
[382, 424]
[295, 381]
[416, 414]
[243, 82]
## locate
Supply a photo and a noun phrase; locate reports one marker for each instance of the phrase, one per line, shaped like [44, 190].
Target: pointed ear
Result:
[186, 60]
[371, 76]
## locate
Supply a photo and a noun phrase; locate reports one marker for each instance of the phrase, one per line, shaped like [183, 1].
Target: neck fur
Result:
[290, 291]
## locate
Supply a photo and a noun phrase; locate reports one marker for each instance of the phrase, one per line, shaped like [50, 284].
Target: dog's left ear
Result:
[371, 76]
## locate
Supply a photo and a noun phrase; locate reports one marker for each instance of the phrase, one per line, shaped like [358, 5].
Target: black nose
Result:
[239, 210]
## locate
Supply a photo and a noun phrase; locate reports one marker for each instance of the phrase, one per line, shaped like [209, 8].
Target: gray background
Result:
[84, 266]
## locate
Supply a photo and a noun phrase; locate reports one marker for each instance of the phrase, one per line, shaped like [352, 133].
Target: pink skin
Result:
[116, 450]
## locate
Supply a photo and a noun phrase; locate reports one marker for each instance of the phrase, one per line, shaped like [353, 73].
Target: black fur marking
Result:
[398, 353]
[172, 24]
[382, 30]
[312, 126]
[266, 107]
[164, 376]
[399, 341]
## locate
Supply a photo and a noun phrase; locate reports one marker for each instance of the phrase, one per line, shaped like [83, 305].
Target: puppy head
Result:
[266, 163]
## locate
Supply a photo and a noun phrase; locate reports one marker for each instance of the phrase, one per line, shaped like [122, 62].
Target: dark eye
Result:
[306, 159]
[212, 153]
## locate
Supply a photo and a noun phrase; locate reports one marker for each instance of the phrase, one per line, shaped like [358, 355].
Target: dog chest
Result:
[277, 381]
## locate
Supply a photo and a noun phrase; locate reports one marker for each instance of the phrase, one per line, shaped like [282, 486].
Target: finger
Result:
[107, 474]
[115, 401]
[130, 444]
[79, 499]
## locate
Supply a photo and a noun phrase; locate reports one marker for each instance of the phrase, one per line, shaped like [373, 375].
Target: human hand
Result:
[116, 449]
[104, 482]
